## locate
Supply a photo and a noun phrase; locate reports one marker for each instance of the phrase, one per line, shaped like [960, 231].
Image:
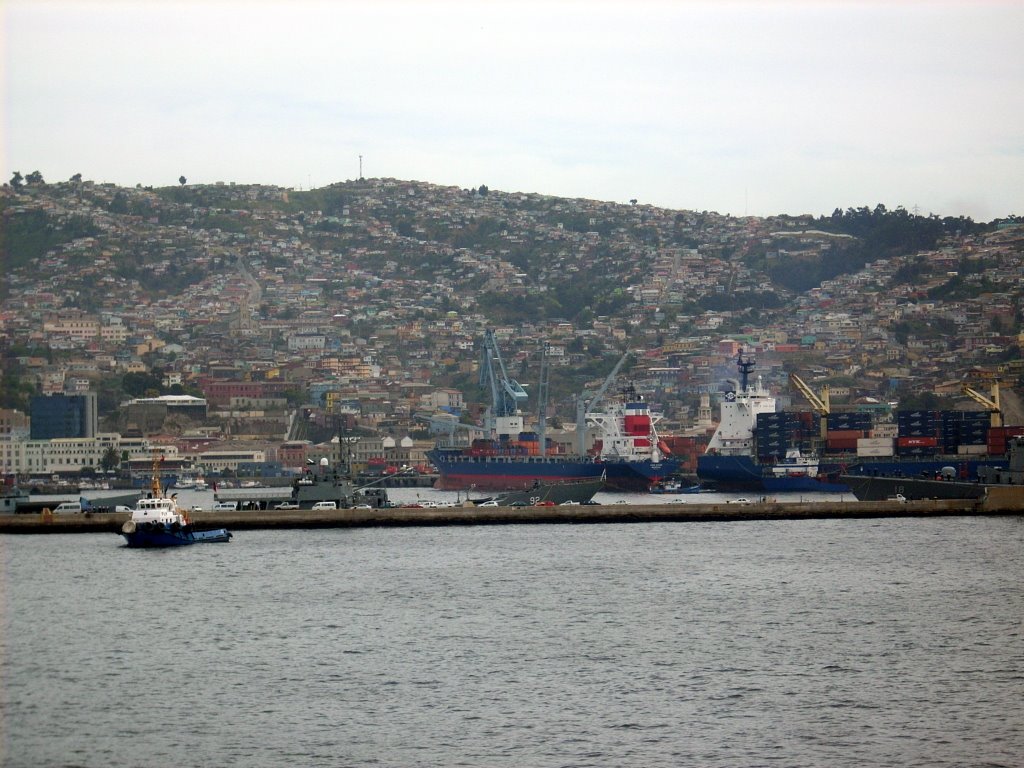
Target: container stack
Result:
[998, 437]
[965, 432]
[918, 433]
[777, 432]
[846, 430]
[875, 446]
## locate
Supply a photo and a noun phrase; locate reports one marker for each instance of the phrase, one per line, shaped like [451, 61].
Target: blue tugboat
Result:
[158, 521]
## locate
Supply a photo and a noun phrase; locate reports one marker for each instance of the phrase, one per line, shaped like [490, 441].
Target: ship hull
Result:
[157, 536]
[966, 470]
[871, 488]
[572, 492]
[458, 472]
[742, 473]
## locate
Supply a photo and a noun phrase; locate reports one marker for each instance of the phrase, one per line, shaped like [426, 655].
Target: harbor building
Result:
[62, 415]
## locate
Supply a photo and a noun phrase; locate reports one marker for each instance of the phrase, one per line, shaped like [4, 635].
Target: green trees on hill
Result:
[879, 234]
[28, 235]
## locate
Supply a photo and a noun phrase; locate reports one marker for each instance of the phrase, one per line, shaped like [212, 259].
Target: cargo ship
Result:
[628, 454]
[756, 448]
[730, 461]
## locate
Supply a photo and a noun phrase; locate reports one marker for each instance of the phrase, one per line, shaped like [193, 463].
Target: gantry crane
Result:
[503, 416]
[991, 404]
[820, 404]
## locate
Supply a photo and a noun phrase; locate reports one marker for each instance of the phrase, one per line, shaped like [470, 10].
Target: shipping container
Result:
[976, 416]
[1006, 432]
[917, 415]
[916, 442]
[875, 450]
[845, 434]
[887, 429]
[842, 444]
[972, 450]
[915, 451]
[918, 432]
[874, 442]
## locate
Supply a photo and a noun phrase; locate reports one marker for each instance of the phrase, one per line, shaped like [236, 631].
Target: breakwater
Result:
[577, 515]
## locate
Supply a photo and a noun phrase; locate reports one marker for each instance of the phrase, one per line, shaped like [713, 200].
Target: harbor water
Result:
[796, 643]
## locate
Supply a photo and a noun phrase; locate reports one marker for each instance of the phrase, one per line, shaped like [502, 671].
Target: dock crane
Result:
[583, 405]
[991, 404]
[503, 416]
[820, 404]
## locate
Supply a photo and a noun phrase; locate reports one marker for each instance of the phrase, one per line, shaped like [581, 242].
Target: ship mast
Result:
[542, 401]
[154, 483]
[746, 367]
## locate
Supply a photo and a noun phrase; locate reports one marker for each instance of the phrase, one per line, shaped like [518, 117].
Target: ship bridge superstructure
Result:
[740, 407]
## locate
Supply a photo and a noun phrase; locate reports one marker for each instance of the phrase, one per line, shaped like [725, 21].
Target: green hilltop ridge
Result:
[885, 298]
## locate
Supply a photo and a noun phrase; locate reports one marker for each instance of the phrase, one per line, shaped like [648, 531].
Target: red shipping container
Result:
[917, 442]
[844, 434]
[842, 444]
[996, 446]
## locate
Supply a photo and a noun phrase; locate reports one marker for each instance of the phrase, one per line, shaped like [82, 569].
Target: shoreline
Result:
[997, 504]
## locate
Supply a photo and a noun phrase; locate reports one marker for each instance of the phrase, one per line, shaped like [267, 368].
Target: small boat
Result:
[698, 488]
[158, 521]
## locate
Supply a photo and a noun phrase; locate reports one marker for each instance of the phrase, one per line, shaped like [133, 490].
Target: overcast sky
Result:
[736, 107]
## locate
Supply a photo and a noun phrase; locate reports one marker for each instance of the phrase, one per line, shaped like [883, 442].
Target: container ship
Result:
[628, 454]
[733, 459]
[757, 448]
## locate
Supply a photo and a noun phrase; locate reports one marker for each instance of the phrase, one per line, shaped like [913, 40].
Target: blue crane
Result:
[506, 392]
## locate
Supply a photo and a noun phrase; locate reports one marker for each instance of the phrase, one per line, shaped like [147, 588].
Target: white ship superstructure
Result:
[627, 430]
[735, 433]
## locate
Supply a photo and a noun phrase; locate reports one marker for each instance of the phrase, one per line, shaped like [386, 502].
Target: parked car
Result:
[286, 505]
[225, 506]
[67, 508]
[321, 505]
[488, 503]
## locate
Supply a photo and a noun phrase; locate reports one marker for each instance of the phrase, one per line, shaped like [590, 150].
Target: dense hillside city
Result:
[360, 307]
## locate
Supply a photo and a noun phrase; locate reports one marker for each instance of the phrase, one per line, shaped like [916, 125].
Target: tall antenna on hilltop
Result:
[360, 167]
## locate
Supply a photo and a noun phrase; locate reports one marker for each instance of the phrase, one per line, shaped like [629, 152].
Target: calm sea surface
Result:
[810, 643]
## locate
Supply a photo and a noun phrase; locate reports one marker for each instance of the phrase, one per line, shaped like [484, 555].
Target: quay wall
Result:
[474, 515]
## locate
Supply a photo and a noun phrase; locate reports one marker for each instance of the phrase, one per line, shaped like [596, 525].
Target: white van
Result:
[225, 506]
[325, 505]
[67, 508]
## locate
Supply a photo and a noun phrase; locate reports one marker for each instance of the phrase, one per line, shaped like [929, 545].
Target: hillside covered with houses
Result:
[359, 308]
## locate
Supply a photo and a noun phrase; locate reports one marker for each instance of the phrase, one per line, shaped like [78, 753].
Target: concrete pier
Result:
[577, 515]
